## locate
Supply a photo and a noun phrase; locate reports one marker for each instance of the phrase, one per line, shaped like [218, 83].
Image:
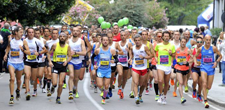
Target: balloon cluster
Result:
[120, 23]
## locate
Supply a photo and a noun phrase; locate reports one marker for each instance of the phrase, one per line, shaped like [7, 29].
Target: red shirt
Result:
[117, 38]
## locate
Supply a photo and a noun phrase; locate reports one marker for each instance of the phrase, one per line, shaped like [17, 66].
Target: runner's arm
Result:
[119, 49]
[115, 56]
[147, 51]
[83, 52]
[69, 54]
[26, 48]
[197, 53]
[94, 55]
[89, 47]
[51, 51]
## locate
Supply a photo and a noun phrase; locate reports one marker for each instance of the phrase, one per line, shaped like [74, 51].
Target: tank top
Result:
[15, 53]
[49, 45]
[76, 47]
[60, 54]
[138, 63]
[92, 52]
[123, 59]
[104, 60]
[198, 58]
[181, 56]
[153, 59]
[33, 47]
[40, 57]
[207, 59]
[188, 44]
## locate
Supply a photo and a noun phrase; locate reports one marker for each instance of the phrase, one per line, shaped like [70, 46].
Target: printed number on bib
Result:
[164, 59]
[61, 58]
[75, 56]
[181, 59]
[207, 59]
[139, 62]
[32, 56]
[15, 53]
[123, 59]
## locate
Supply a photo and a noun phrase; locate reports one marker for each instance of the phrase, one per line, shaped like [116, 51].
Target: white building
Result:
[218, 10]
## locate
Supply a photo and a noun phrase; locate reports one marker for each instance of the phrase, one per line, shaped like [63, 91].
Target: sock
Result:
[194, 90]
[120, 87]
[74, 87]
[55, 86]
[48, 83]
[35, 90]
[156, 87]
[11, 95]
[58, 97]
[45, 82]
[205, 100]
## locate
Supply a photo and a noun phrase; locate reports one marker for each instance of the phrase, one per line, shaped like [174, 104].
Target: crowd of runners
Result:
[156, 59]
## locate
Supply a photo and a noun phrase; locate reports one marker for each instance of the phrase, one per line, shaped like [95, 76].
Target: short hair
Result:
[47, 29]
[198, 37]
[166, 32]
[137, 36]
[183, 38]
[55, 30]
[6, 25]
[37, 29]
[16, 29]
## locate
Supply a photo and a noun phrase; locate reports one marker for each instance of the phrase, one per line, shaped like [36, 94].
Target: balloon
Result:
[120, 23]
[100, 20]
[129, 27]
[108, 25]
[126, 20]
[103, 25]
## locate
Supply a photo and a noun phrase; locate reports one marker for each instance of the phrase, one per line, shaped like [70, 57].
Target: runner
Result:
[139, 53]
[166, 52]
[196, 73]
[104, 54]
[31, 61]
[182, 66]
[122, 65]
[16, 49]
[208, 65]
[41, 59]
[77, 48]
[49, 44]
[61, 56]
[176, 42]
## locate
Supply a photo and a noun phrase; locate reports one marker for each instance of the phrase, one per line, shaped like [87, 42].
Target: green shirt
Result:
[163, 53]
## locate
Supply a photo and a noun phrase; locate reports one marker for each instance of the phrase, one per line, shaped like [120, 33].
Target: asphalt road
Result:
[92, 101]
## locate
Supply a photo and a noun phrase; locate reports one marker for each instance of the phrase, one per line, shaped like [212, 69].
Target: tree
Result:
[29, 11]
[184, 12]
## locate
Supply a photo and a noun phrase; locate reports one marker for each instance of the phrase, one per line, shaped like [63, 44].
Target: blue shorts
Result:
[104, 74]
[75, 66]
[212, 72]
[16, 66]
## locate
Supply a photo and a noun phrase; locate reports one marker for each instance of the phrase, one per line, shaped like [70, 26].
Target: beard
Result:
[62, 42]
[74, 35]
[104, 45]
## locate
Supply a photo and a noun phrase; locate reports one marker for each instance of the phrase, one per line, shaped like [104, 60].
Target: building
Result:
[219, 6]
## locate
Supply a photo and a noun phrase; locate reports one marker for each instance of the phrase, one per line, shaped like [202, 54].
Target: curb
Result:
[214, 100]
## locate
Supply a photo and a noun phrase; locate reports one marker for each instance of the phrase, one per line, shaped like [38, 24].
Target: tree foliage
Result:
[29, 11]
[184, 12]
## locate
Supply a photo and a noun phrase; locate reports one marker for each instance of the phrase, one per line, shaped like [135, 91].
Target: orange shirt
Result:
[182, 56]
[153, 59]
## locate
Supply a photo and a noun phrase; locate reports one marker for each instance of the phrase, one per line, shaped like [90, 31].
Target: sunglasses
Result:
[159, 36]
[144, 34]
[199, 41]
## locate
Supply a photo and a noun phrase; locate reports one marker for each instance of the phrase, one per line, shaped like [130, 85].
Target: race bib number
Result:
[32, 57]
[104, 63]
[181, 59]
[15, 53]
[61, 58]
[123, 59]
[75, 56]
[139, 62]
[207, 59]
[164, 59]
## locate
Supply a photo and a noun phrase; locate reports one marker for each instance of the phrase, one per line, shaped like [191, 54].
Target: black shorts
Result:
[58, 68]
[47, 63]
[125, 68]
[182, 72]
[84, 64]
[31, 64]
[42, 64]
[153, 67]
[197, 70]
[113, 69]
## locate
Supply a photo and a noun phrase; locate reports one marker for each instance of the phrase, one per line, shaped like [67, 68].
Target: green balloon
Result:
[108, 25]
[126, 20]
[100, 20]
[103, 25]
[120, 23]
[129, 27]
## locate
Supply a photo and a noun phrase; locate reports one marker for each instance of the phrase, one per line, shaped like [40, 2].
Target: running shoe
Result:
[146, 92]
[183, 100]
[137, 101]
[11, 100]
[119, 91]
[103, 101]
[160, 99]
[164, 101]
[96, 90]
[28, 97]
[70, 96]
[156, 97]
[121, 95]
[44, 90]
[58, 101]
[113, 86]
[206, 104]
[110, 92]
[52, 90]
[101, 94]
[131, 94]
[186, 89]
[38, 81]
[24, 86]
[194, 94]
[34, 94]
[150, 86]
[174, 94]
[64, 86]
[172, 82]
[140, 100]
[199, 97]
[77, 95]
[107, 96]
[17, 94]
[48, 93]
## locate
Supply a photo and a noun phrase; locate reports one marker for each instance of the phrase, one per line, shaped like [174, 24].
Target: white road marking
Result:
[85, 87]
